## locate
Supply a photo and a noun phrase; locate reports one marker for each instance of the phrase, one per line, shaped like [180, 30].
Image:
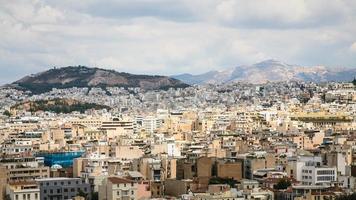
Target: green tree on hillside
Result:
[7, 113]
[282, 184]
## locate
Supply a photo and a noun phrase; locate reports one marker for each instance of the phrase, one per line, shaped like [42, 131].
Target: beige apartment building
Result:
[3, 182]
[230, 170]
[28, 173]
[23, 191]
[255, 162]
[118, 189]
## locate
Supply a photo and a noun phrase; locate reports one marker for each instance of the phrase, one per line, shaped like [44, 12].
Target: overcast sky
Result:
[171, 36]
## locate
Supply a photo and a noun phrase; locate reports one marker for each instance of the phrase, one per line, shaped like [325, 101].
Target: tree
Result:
[347, 197]
[219, 180]
[354, 81]
[95, 196]
[282, 184]
[7, 113]
[82, 194]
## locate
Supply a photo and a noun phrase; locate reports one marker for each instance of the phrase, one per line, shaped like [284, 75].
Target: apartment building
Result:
[63, 188]
[25, 168]
[118, 188]
[23, 191]
[316, 175]
[258, 160]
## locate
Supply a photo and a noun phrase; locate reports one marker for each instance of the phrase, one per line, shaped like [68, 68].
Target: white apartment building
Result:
[19, 146]
[151, 124]
[311, 172]
[316, 175]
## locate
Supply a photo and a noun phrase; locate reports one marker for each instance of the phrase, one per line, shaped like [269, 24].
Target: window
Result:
[58, 191]
[45, 191]
[36, 195]
[17, 197]
[65, 190]
[132, 184]
[28, 196]
[118, 193]
[72, 190]
[132, 192]
[24, 196]
[51, 191]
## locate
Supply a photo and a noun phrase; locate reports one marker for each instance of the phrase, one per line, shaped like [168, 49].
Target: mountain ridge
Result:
[270, 71]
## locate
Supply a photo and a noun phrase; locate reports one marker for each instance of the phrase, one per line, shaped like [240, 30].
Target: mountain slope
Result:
[270, 70]
[57, 106]
[81, 76]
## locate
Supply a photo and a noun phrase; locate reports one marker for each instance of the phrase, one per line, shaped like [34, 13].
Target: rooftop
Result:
[117, 180]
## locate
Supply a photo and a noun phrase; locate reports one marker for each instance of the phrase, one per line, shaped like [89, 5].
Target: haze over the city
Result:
[173, 37]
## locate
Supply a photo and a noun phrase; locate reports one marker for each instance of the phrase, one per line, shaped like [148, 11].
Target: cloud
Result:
[281, 13]
[353, 47]
[169, 37]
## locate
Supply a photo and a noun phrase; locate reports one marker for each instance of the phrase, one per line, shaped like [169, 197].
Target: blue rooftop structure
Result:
[64, 159]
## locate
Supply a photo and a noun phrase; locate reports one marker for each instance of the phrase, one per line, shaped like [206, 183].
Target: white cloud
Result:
[353, 47]
[168, 37]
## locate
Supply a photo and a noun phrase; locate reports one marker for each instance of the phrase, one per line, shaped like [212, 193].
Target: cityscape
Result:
[75, 127]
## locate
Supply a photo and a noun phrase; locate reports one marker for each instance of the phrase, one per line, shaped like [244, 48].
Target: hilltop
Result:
[81, 76]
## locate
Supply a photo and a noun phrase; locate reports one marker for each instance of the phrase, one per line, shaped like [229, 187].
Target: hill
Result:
[270, 70]
[57, 106]
[81, 76]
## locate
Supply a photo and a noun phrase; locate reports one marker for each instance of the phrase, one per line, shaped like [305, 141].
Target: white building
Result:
[151, 124]
[309, 171]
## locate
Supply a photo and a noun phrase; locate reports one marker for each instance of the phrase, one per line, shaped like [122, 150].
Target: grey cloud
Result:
[168, 37]
[126, 9]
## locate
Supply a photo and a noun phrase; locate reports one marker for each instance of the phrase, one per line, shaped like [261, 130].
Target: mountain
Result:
[196, 79]
[270, 70]
[80, 76]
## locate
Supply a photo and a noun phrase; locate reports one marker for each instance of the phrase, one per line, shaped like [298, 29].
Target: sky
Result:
[169, 37]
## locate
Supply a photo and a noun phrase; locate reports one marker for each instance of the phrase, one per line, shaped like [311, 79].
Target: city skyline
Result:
[173, 37]
[177, 99]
